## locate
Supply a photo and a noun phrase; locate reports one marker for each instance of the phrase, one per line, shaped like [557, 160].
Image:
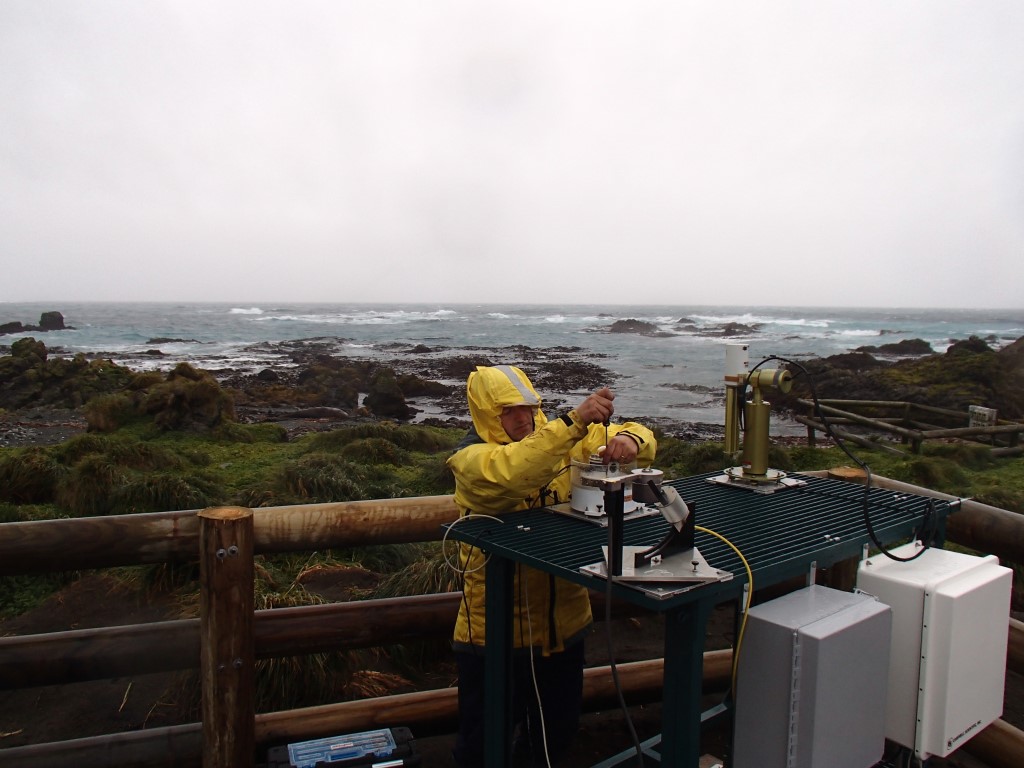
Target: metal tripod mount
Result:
[674, 559]
[681, 515]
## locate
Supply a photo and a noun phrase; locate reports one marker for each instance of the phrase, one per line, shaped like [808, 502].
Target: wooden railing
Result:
[908, 422]
[229, 635]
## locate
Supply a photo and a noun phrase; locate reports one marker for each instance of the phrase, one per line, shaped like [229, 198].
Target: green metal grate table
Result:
[781, 535]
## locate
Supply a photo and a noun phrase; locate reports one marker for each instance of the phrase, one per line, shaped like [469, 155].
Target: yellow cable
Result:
[746, 608]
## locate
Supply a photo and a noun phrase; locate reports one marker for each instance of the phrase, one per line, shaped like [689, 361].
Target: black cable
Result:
[465, 597]
[929, 514]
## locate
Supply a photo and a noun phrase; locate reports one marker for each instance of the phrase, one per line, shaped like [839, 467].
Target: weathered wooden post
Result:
[227, 657]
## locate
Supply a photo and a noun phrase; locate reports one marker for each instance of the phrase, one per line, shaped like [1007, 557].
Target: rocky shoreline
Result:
[310, 388]
[42, 393]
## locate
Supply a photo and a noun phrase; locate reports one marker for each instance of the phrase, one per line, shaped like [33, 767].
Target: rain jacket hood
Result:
[489, 390]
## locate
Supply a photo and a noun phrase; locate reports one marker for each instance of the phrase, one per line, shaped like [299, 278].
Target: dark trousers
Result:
[560, 681]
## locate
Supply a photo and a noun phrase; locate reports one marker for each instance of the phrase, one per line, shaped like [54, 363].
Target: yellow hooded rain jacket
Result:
[494, 475]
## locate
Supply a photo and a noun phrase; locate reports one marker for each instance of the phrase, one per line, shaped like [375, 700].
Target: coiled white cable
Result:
[444, 541]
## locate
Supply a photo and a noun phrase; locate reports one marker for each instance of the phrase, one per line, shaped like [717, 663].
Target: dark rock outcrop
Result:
[969, 373]
[906, 347]
[48, 321]
[29, 378]
[735, 329]
[636, 326]
[385, 398]
[51, 321]
[632, 326]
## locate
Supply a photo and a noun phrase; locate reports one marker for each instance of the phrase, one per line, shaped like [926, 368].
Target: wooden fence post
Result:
[227, 655]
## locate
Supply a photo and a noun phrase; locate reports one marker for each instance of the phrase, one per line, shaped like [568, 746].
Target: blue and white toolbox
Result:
[382, 748]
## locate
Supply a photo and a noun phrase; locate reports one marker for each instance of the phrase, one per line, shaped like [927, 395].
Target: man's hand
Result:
[620, 448]
[597, 408]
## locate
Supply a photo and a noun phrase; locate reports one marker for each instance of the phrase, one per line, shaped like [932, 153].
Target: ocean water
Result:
[676, 374]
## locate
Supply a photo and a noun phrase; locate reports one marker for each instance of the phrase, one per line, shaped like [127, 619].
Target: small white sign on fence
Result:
[981, 417]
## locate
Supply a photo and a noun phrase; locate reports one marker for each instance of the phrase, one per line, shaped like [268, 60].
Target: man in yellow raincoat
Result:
[512, 459]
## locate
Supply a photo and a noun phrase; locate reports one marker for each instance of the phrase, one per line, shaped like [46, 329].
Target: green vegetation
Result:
[22, 593]
[140, 467]
[31, 379]
[959, 469]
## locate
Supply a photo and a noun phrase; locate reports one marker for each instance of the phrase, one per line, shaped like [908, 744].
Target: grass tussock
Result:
[302, 681]
[108, 413]
[10, 513]
[428, 575]
[189, 397]
[170, 577]
[80, 446]
[384, 558]
[374, 450]
[418, 439]
[322, 477]
[969, 456]
[88, 488]
[30, 476]
[131, 476]
[162, 492]
[936, 472]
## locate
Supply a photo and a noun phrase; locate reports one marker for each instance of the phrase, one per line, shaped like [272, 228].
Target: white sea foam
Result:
[246, 311]
[860, 332]
[802, 322]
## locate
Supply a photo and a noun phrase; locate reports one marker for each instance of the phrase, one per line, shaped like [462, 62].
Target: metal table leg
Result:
[684, 671]
[498, 662]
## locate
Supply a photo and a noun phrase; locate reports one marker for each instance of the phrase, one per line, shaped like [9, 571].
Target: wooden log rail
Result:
[906, 428]
[80, 655]
[47, 546]
[905, 405]
[814, 425]
[43, 546]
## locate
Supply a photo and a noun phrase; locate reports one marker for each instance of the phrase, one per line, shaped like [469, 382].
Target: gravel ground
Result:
[39, 426]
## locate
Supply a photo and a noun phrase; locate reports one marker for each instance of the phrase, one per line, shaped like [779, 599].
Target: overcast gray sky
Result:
[859, 153]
